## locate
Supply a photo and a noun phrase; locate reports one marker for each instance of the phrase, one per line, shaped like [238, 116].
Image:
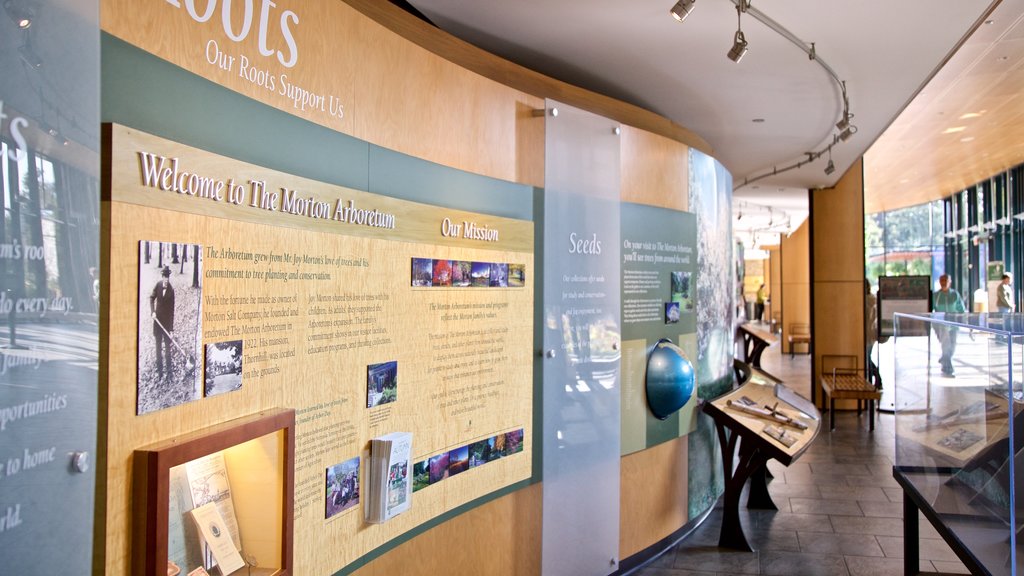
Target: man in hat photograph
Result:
[161, 306]
[170, 308]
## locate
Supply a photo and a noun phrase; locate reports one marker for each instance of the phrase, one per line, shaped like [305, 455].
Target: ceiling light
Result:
[739, 42]
[21, 14]
[847, 133]
[739, 47]
[830, 168]
[682, 9]
[844, 122]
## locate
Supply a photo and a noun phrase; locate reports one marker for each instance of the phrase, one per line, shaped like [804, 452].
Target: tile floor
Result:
[840, 510]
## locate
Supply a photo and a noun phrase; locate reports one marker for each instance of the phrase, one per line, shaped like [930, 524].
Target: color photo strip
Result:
[430, 272]
[456, 461]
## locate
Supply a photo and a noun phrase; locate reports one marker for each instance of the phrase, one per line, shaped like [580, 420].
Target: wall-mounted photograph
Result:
[499, 275]
[223, 367]
[458, 460]
[170, 321]
[462, 273]
[483, 452]
[442, 273]
[516, 275]
[514, 442]
[681, 291]
[422, 272]
[381, 383]
[671, 312]
[481, 274]
[420, 475]
[438, 467]
[342, 486]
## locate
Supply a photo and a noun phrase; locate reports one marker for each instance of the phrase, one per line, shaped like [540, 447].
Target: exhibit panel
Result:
[959, 402]
[373, 318]
[658, 283]
[581, 344]
[50, 289]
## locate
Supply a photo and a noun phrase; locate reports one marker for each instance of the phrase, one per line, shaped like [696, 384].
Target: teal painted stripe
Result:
[147, 93]
[403, 176]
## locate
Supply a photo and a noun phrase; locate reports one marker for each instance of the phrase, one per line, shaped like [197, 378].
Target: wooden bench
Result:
[799, 334]
[846, 384]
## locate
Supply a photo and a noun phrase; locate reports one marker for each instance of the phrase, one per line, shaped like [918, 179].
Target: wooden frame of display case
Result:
[151, 486]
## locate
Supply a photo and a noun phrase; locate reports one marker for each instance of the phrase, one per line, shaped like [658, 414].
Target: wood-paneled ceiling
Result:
[965, 126]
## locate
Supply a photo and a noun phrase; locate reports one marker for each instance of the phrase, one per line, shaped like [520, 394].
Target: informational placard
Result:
[659, 287]
[49, 284]
[313, 296]
[582, 350]
[906, 294]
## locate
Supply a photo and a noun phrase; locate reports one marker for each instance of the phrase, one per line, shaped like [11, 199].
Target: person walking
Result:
[947, 300]
[161, 306]
[759, 304]
[871, 334]
[1004, 295]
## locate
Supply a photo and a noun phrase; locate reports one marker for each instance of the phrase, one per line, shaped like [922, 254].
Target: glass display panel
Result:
[49, 284]
[959, 400]
[581, 313]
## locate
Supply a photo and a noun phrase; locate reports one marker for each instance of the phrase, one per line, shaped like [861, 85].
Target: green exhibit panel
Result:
[659, 300]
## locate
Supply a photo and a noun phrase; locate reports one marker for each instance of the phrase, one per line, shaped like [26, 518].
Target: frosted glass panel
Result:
[49, 274]
[581, 403]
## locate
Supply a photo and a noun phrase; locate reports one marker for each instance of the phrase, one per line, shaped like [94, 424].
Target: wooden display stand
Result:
[756, 448]
[755, 341]
[270, 491]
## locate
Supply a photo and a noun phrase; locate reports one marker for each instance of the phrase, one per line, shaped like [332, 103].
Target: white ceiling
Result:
[635, 51]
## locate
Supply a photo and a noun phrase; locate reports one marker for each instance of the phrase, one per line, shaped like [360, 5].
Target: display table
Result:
[960, 441]
[765, 420]
[755, 341]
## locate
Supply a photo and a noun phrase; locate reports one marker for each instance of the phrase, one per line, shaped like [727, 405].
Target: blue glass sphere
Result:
[669, 379]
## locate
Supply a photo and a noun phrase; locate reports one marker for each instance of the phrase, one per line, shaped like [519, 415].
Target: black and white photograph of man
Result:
[170, 302]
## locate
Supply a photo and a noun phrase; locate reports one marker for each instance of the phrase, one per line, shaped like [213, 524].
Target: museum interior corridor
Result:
[839, 508]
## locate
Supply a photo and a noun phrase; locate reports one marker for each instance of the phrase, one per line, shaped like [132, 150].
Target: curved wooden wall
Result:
[420, 91]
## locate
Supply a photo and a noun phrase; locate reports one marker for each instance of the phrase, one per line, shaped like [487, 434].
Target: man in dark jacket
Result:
[161, 304]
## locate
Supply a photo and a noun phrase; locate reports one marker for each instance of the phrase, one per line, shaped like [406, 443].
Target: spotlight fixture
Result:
[830, 168]
[20, 13]
[847, 132]
[682, 9]
[739, 47]
[844, 122]
[739, 42]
